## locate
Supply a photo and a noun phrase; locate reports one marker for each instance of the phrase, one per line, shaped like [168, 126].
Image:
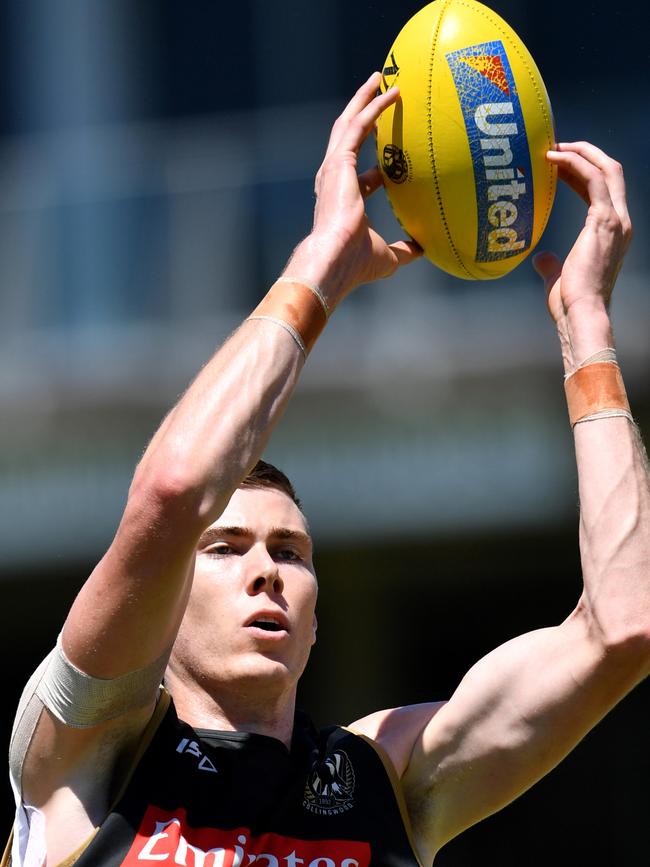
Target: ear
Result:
[314, 627]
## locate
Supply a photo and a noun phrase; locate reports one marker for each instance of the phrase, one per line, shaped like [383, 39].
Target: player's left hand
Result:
[579, 290]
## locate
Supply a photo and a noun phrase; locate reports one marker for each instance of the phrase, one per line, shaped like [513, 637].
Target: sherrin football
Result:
[463, 149]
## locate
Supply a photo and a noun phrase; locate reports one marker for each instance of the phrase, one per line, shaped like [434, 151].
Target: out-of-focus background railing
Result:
[156, 169]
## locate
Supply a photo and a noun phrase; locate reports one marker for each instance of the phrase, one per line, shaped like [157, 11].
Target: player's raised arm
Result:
[219, 428]
[520, 710]
[125, 618]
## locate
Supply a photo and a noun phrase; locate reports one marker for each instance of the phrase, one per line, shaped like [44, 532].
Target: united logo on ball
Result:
[463, 151]
[499, 147]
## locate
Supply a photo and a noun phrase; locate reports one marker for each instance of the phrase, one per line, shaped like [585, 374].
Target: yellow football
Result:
[463, 149]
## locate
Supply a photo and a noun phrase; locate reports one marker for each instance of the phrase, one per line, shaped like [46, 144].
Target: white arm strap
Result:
[77, 699]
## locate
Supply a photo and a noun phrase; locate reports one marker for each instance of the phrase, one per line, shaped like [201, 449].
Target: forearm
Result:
[220, 426]
[614, 488]
[615, 526]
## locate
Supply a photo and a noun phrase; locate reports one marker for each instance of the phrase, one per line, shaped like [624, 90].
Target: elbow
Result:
[166, 491]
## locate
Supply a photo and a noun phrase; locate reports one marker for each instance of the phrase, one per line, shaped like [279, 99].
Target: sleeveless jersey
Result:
[204, 798]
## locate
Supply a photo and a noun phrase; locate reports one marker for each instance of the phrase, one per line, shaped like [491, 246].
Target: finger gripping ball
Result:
[463, 149]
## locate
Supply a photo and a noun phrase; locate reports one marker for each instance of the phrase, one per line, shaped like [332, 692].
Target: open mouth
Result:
[269, 623]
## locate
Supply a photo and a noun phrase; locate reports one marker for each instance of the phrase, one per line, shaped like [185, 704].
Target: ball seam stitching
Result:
[432, 155]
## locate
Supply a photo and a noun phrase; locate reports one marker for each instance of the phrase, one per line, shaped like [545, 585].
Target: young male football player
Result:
[209, 582]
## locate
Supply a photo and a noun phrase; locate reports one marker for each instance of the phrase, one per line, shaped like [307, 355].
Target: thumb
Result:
[549, 268]
[406, 251]
[369, 181]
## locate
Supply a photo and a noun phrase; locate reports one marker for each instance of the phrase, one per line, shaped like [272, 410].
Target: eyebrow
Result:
[283, 533]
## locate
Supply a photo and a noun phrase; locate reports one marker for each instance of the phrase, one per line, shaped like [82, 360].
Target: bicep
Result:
[99, 685]
[68, 723]
[129, 610]
[514, 716]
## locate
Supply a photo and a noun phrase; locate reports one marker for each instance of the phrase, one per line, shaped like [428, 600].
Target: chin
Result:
[261, 672]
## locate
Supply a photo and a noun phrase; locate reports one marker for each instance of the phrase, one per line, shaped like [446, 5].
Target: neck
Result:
[228, 709]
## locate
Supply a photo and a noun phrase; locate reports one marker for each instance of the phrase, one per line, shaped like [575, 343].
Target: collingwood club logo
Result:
[330, 785]
[395, 164]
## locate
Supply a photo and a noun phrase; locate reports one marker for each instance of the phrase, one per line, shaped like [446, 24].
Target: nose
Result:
[263, 573]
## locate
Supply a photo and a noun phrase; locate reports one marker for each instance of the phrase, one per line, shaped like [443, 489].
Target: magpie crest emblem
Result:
[395, 163]
[330, 785]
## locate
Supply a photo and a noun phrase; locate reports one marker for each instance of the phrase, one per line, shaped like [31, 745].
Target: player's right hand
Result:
[343, 250]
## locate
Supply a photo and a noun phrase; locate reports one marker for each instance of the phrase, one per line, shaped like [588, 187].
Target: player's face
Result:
[251, 617]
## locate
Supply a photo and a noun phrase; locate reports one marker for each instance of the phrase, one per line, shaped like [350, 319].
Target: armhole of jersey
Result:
[70, 860]
[147, 736]
[395, 783]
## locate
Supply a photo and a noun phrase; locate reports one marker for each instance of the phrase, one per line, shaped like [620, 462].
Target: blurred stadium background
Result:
[156, 166]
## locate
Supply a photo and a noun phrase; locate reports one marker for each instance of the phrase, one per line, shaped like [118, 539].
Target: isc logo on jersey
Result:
[499, 148]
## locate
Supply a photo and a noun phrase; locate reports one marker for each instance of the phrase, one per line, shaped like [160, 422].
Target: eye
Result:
[221, 549]
[287, 555]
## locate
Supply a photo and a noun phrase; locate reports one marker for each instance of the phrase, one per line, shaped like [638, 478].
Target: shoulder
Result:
[396, 730]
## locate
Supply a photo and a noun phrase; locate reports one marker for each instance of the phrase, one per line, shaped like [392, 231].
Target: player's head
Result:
[250, 621]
